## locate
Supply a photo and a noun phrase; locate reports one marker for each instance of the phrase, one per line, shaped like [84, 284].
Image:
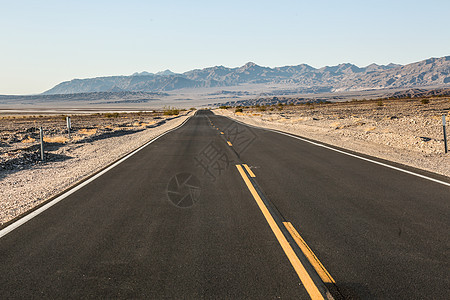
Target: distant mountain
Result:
[342, 77]
[161, 73]
[375, 68]
[417, 93]
[166, 73]
[151, 83]
[433, 71]
[142, 74]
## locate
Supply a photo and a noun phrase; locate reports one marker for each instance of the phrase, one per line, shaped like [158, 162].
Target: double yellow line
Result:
[315, 291]
[228, 142]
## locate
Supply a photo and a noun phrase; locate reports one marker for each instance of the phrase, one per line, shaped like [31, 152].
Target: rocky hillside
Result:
[343, 77]
[419, 93]
[138, 83]
[433, 71]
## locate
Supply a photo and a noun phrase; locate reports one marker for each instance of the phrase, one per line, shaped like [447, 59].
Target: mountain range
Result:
[342, 77]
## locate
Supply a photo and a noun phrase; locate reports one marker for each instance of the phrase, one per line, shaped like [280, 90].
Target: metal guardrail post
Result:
[445, 133]
[41, 135]
[69, 125]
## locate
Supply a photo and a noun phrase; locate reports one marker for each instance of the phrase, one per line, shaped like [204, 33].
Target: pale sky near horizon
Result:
[43, 43]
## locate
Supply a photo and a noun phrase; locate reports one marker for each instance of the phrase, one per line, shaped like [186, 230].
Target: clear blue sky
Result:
[45, 42]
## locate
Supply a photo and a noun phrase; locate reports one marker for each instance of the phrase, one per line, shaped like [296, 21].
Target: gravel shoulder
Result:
[405, 132]
[26, 183]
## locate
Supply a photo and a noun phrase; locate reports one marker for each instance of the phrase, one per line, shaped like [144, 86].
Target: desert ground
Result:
[96, 140]
[408, 132]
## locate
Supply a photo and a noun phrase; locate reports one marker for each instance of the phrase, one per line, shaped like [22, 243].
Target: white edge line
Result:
[33, 214]
[346, 153]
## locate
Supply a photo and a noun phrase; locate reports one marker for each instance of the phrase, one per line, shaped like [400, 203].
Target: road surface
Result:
[185, 218]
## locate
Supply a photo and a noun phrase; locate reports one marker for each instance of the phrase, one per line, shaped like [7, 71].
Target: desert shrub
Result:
[192, 108]
[262, 108]
[379, 103]
[224, 107]
[238, 110]
[111, 115]
[425, 101]
[171, 111]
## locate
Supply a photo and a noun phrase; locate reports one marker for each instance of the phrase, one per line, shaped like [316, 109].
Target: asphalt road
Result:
[179, 220]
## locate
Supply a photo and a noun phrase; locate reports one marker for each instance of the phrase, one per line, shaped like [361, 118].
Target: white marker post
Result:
[69, 125]
[41, 135]
[445, 133]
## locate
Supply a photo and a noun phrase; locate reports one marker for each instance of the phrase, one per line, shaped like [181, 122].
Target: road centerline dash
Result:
[305, 278]
[250, 172]
[315, 262]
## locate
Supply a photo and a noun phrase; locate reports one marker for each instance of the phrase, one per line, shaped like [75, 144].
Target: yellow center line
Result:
[249, 171]
[229, 143]
[307, 281]
[315, 262]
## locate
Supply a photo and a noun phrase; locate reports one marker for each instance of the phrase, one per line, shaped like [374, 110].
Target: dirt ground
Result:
[405, 131]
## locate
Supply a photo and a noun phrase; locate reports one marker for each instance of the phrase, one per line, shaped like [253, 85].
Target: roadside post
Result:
[69, 125]
[41, 135]
[445, 133]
